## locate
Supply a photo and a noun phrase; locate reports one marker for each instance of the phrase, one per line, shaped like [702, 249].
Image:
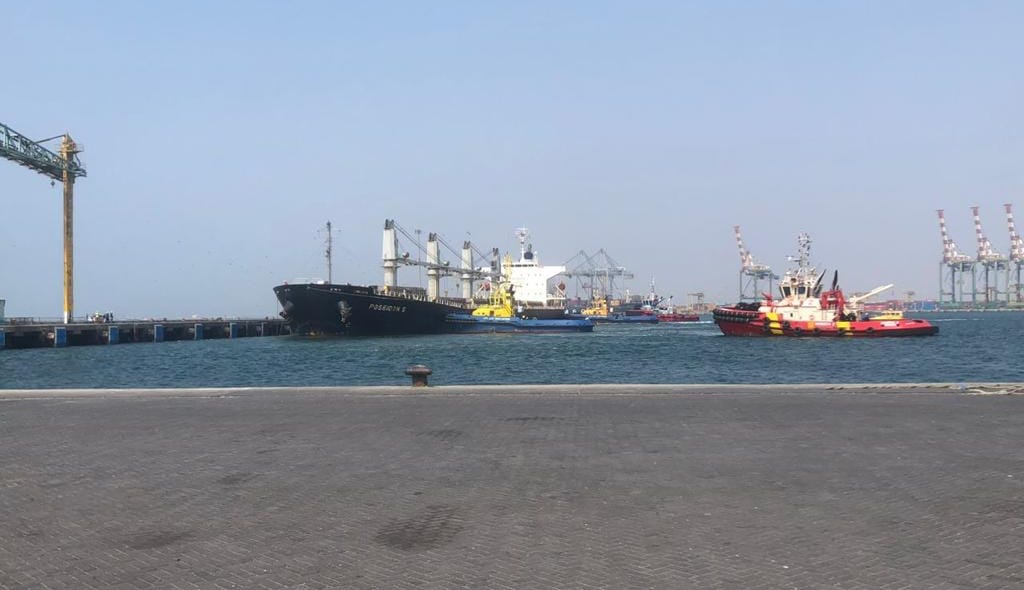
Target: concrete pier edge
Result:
[965, 388]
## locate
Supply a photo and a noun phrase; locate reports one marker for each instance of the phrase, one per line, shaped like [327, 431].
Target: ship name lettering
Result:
[391, 308]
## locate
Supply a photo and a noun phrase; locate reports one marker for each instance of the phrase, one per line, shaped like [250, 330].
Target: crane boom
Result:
[64, 167]
[950, 253]
[985, 251]
[858, 298]
[1016, 243]
[746, 258]
[22, 150]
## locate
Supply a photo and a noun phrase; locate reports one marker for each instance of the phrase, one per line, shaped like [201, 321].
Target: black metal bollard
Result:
[419, 374]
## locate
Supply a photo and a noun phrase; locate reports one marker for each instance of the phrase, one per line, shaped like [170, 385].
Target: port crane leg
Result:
[69, 248]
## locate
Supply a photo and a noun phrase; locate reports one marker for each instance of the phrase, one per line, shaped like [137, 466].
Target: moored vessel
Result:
[806, 309]
[323, 307]
[601, 312]
[502, 314]
[672, 317]
[663, 308]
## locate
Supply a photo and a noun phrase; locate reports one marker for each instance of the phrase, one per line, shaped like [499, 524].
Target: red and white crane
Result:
[1016, 243]
[951, 287]
[751, 273]
[950, 253]
[985, 251]
[1016, 290]
[991, 262]
[746, 259]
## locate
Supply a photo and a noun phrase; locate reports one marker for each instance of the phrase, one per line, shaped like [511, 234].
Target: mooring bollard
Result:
[419, 374]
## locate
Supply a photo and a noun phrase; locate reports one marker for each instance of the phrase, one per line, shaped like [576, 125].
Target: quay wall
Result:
[28, 334]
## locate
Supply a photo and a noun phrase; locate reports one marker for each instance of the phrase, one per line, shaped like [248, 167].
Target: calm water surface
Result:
[969, 347]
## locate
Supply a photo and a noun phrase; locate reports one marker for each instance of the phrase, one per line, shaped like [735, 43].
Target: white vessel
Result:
[530, 279]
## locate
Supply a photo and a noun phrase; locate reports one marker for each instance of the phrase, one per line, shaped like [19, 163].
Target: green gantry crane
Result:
[63, 167]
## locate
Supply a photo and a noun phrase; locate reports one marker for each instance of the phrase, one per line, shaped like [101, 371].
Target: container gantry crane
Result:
[991, 262]
[1016, 257]
[953, 269]
[63, 167]
[599, 271]
[751, 273]
[696, 301]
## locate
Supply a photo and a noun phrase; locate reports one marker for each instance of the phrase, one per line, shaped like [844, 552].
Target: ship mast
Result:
[523, 234]
[330, 266]
[803, 257]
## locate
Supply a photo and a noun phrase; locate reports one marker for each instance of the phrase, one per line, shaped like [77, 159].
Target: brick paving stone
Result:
[510, 488]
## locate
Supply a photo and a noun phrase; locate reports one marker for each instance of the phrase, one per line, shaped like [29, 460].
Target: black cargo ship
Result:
[323, 308]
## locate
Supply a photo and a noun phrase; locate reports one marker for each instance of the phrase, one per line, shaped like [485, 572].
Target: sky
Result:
[219, 138]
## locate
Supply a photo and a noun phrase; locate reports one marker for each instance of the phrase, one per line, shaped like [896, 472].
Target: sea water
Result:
[970, 347]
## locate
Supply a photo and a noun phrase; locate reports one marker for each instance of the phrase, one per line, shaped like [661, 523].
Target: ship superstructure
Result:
[531, 280]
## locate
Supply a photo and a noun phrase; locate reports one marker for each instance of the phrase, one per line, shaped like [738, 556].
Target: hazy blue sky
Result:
[220, 136]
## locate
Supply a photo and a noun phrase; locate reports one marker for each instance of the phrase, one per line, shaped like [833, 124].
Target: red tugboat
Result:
[806, 310]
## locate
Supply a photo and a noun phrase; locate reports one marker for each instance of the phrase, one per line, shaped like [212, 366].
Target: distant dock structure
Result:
[18, 333]
[989, 280]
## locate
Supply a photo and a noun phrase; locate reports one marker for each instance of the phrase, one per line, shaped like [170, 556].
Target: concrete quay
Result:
[31, 334]
[562, 486]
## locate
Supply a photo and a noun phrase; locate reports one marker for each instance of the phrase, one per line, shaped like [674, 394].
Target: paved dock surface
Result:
[513, 487]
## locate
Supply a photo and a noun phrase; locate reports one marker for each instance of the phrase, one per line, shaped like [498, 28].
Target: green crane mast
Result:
[64, 167]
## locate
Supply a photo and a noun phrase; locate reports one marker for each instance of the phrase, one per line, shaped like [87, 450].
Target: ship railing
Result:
[417, 295]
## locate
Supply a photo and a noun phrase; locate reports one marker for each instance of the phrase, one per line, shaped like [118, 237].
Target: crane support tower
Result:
[63, 167]
[1016, 259]
[993, 264]
[437, 269]
[953, 269]
[751, 273]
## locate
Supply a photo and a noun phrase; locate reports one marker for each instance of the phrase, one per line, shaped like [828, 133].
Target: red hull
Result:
[738, 322]
[678, 317]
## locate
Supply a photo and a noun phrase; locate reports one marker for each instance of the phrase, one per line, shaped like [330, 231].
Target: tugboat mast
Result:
[804, 254]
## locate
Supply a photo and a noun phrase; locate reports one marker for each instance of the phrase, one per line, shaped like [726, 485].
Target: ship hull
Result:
[674, 318]
[365, 311]
[544, 313]
[621, 318]
[469, 324]
[738, 322]
[359, 311]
